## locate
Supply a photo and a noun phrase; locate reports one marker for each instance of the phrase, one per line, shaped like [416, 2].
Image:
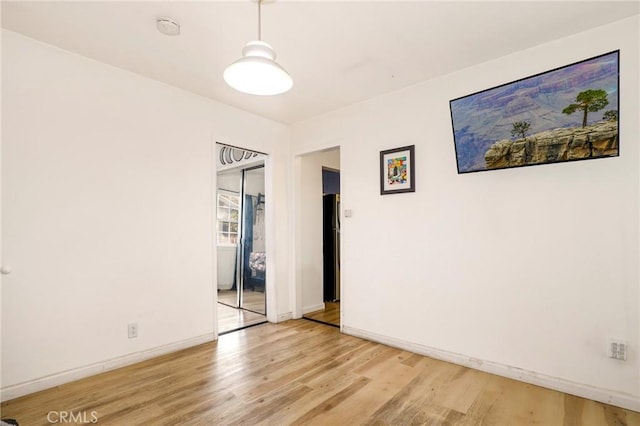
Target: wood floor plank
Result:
[460, 391]
[435, 415]
[385, 380]
[330, 314]
[315, 416]
[321, 396]
[304, 373]
[419, 393]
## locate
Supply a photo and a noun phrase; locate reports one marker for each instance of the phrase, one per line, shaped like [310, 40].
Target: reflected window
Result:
[228, 217]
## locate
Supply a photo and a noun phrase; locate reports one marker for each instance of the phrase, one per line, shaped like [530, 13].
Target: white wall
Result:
[311, 227]
[531, 268]
[108, 184]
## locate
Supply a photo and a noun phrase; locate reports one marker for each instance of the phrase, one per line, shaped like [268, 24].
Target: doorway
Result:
[241, 250]
[320, 228]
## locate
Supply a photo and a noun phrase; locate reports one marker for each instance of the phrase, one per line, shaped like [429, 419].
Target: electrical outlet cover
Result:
[132, 330]
[617, 349]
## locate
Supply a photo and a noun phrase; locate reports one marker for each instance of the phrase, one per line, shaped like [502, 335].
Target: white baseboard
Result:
[14, 391]
[606, 396]
[307, 309]
[285, 317]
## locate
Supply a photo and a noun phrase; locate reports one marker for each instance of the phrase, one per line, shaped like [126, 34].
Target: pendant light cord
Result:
[259, 20]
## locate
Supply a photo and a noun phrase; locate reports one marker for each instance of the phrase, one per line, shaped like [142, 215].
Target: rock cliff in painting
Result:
[565, 144]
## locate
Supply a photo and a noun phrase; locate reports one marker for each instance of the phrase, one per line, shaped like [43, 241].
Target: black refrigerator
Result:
[331, 246]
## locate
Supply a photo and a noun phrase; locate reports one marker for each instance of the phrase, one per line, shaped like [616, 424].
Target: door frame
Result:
[270, 243]
[297, 237]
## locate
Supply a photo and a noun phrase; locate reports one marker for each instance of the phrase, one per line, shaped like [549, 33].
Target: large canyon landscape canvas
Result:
[566, 114]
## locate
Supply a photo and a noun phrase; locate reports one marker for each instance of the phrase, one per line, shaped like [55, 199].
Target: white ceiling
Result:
[338, 52]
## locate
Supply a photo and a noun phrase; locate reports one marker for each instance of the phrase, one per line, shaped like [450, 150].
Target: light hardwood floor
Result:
[330, 314]
[304, 373]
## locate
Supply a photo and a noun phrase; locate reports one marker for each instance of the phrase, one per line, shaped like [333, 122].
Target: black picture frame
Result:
[397, 170]
[569, 113]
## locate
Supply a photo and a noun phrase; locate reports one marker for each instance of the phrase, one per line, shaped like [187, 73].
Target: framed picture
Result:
[566, 114]
[397, 170]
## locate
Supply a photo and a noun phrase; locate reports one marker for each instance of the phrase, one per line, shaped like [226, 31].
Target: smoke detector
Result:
[168, 26]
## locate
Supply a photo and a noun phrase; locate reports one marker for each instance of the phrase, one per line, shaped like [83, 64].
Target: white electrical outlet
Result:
[133, 330]
[617, 349]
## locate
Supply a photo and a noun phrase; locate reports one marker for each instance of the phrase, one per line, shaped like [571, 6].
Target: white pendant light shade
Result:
[257, 72]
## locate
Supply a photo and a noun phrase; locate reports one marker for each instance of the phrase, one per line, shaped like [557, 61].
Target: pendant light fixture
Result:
[257, 72]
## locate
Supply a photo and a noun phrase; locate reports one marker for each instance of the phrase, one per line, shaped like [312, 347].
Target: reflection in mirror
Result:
[253, 242]
[240, 241]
